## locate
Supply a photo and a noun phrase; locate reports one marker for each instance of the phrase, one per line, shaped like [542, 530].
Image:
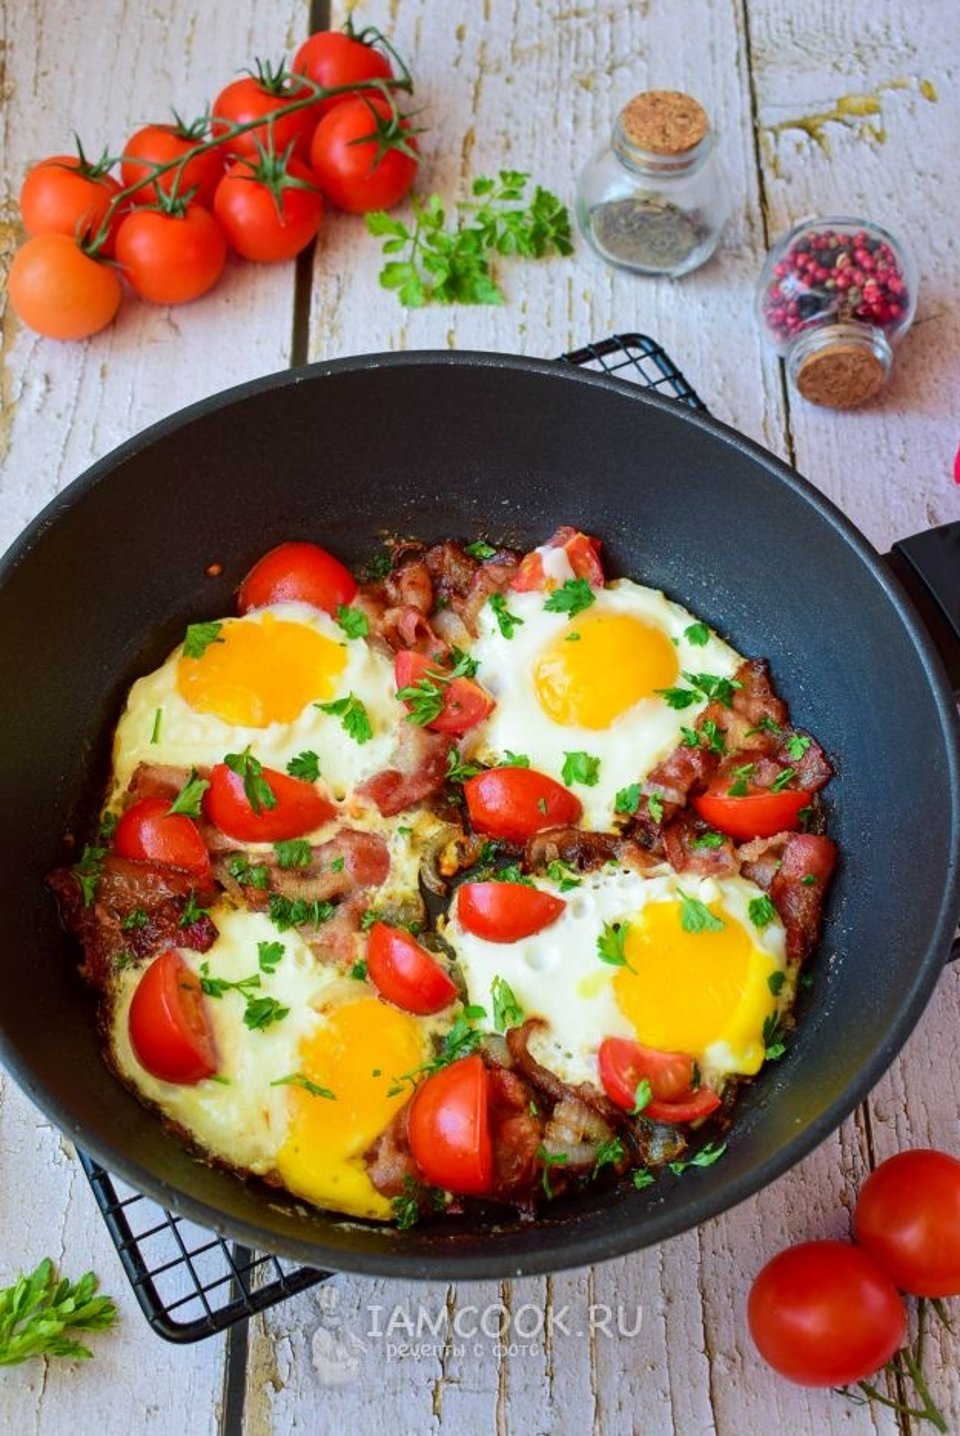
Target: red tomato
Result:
[61, 292]
[515, 803]
[759, 814]
[268, 209]
[625, 1064]
[363, 157]
[299, 807]
[297, 572]
[908, 1219]
[504, 912]
[170, 1031]
[465, 703]
[405, 973]
[449, 1128]
[824, 1314]
[169, 258]
[158, 145]
[583, 555]
[66, 195]
[331, 59]
[149, 832]
[251, 98]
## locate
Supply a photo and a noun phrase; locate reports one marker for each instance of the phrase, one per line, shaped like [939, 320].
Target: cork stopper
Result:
[841, 375]
[664, 122]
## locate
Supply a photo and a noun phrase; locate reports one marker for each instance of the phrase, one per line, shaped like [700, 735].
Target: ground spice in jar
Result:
[646, 231]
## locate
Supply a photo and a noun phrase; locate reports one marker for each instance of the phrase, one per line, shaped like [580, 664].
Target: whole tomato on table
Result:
[258, 96]
[333, 58]
[269, 208]
[364, 154]
[161, 144]
[69, 194]
[171, 256]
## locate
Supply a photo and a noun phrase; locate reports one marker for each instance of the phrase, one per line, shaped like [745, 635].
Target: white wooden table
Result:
[532, 86]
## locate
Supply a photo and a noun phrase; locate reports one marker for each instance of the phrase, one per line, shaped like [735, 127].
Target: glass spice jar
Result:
[834, 297]
[654, 199]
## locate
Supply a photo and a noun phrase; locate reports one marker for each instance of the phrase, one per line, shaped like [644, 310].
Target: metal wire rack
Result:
[191, 1283]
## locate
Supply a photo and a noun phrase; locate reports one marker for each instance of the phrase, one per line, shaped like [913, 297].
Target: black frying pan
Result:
[101, 585]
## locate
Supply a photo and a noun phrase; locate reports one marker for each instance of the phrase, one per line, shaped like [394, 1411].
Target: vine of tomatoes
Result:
[251, 175]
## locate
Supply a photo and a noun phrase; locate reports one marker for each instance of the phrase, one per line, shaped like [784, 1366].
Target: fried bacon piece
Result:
[350, 859]
[419, 770]
[584, 850]
[795, 869]
[691, 846]
[137, 908]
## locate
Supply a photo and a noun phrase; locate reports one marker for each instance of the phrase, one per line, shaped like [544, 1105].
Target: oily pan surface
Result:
[103, 584]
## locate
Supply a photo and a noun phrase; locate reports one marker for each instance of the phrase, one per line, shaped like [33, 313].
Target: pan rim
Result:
[563, 1249]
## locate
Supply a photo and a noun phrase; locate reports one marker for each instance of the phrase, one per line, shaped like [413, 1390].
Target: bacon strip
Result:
[584, 850]
[419, 770]
[782, 866]
[686, 852]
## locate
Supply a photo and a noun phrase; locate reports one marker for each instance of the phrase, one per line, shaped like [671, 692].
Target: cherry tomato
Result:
[625, 1064]
[583, 555]
[449, 1128]
[297, 573]
[251, 98]
[405, 973]
[170, 1031]
[908, 1219]
[824, 1314]
[504, 912]
[515, 803]
[331, 59]
[759, 814]
[149, 832]
[66, 195]
[169, 258]
[465, 703]
[298, 808]
[158, 145]
[61, 292]
[356, 155]
[268, 219]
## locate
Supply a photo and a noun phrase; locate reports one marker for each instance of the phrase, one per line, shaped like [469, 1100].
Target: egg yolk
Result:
[357, 1054]
[683, 991]
[262, 672]
[599, 666]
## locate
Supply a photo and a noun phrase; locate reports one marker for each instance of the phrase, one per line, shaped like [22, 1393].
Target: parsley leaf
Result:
[297, 1079]
[774, 1038]
[157, 725]
[560, 872]
[571, 597]
[704, 1158]
[698, 634]
[258, 791]
[192, 912]
[655, 806]
[359, 970]
[642, 1178]
[217, 986]
[480, 550]
[253, 875]
[353, 621]
[775, 982]
[611, 944]
[406, 1205]
[425, 697]
[513, 760]
[37, 1312]
[550, 1159]
[286, 912]
[135, 920]
[690, 738]
[782, 779]
[678, 697]
[708, 840]
[305, 765]
[506, 621]
[511, 874]
[293, 853]
[261, 1012]
[761, 911]
[695, 916]
[353, 717]
[507, 1011]
[458, 772]
[580, 767]
[627, 799]
[190, 796]
[796, 745]
[642, 1097]
[199, 638]
[716, 741]
[608, 1154]
[269, 954]
[87, 871]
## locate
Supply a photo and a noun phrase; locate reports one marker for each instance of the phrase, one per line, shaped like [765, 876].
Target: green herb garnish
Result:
[297, 1079]
[38, 1311]
[761, 911]
[580, 767]
[305, 765]
[506, 621]
[571, 597]
[696, 917]
[507, 1011]
[258, 791]
[293, 853]
[353, 621]
[188, 800]
[353, 717]
[199, 638]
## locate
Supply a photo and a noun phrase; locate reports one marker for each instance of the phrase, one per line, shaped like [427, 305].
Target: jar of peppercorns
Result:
[834, 297]
[654, 199]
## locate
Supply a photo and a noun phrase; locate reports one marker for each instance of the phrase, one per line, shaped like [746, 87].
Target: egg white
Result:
[634, 742]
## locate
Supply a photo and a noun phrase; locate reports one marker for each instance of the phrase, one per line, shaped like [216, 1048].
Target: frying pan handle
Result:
[928, 566]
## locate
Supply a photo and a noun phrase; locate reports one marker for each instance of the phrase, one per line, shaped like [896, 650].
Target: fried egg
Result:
[684, 983]
[256, 685]
[591, 685]
[301, 1099]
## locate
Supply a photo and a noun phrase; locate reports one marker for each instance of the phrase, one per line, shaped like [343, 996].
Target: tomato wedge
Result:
[170, 1031]
[583, 555]
[464, 703]
[405, 973]
[298, 807]
[758, 814]
[449, 1127]
[624, 1064]
[504, 912]
[149, 832]
[297, 572]
[515, 803]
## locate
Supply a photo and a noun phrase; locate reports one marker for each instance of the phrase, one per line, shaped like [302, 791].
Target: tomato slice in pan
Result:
[149, 832]
[298, 807]
[758, 814]
[405, 973]
[297, 572]
[624, 1064]
[449, 1128]
[465, 703]
[515, 803]
[170, 1031]
[583, 555]
[505, 912]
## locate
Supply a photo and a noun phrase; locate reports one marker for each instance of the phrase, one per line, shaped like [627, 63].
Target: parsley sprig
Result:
[353, 716]
[38, 1311]
[571, 597]
[506, 621]
[258, 791]
[190, 796]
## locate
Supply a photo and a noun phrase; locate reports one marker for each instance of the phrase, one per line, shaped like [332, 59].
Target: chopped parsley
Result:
[190, 796]
[480, 550]
[690, 738]
[458, 772]
[511, 874]
[353, 621]
[810, 880]
[157, 725]
[513, 760]
[642, 1097]
[305, 765]
[611, 944]
[285, 912]
[739, 788]
[293, 853]
[796, 745]
[655, 807]
[353, 717]
[704, 687]
[87, 871]
[571, 597]
[627, 799]
[698, 634]
[775, 982]
[560, 872]
[269, 954]
[251, 875]
[359, 970]
[337, 864]
[696, 917]
[704, 1158]
[580, 767]
[782, 779]
[507, 1011]
[609, 1153]
[761, 911]
[550, 1159]
[368, 917]
[464, 665]
[258, 791]
[297, 1079]
[716, 741]
[134, 921]
[708, 840]
[217, 986]
[642, 1178]
[425, 698]
[199, 638]
[192, 912]
[774, 1038]
[506, 621]
[261, 1012]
